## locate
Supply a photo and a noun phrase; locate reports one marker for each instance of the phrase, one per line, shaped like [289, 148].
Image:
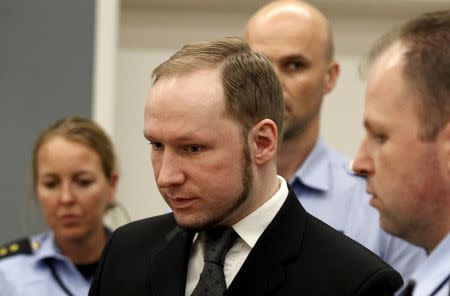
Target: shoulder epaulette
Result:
[21, 246]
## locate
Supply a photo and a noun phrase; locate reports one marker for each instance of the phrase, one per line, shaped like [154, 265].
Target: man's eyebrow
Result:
[146, 136]
[370, 125]
[294, 56]
[181, 138]
[186, 138]
[367, 125]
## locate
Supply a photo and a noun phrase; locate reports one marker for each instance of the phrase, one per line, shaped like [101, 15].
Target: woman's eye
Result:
[49, 184]
[85, 182]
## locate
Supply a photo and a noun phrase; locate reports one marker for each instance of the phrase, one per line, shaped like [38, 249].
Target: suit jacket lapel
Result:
[263, 270]
[168, 266]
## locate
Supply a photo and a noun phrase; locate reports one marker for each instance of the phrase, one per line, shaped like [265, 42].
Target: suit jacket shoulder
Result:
[127, 262]
[296, 254]
[299, 254]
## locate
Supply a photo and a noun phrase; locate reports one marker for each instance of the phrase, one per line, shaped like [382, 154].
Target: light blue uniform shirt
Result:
[432, 277]
[329, 190]
[28, 274]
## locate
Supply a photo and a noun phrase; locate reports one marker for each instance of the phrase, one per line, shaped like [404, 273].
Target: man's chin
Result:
[389, 227]
[190, 222]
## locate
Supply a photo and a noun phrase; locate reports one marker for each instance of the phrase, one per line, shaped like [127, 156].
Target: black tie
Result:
[216, 243]
[408, 289]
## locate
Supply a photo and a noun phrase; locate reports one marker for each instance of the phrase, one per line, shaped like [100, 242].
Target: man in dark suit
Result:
[214, 119]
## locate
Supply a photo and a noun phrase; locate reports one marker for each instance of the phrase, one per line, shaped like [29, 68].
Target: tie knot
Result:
[216, 243]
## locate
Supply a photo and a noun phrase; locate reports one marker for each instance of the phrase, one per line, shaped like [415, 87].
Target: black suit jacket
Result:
[296, 255]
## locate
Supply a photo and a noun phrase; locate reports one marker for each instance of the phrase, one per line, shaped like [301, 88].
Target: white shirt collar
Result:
[251, 227]
[249, 230]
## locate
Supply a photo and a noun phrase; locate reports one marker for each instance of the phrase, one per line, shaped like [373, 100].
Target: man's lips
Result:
[181, 202]
[374, 200]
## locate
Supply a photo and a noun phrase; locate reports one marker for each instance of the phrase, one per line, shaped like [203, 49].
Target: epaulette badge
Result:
[22, 246]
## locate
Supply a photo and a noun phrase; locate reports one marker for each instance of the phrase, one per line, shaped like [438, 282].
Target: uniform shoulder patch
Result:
[21, 246]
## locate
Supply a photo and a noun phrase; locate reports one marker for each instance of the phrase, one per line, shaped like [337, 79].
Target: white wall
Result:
[149, 35]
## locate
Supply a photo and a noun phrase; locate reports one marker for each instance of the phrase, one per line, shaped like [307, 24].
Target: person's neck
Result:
[264, 185]
[86, 250]
[436, 234]
[293, 152]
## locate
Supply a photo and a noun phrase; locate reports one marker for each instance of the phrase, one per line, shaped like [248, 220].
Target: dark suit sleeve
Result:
[383, 283]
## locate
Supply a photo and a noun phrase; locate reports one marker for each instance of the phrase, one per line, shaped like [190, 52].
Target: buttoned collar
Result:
[434, 270]
[251, 227]
[314, 172]
[46, 247]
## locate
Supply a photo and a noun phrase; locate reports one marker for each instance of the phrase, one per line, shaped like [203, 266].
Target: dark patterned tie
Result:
[216, 243]
[408, 289]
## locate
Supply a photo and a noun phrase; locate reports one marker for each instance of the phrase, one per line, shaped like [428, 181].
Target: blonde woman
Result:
[74, 179]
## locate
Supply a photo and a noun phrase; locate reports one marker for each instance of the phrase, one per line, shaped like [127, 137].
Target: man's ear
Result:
[331, 76]
[264, 141]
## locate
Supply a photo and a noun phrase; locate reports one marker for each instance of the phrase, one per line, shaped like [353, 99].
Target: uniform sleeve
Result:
[6, 288]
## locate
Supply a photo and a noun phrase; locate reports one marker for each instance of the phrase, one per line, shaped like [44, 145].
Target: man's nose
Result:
[170, 171]
[362, 164]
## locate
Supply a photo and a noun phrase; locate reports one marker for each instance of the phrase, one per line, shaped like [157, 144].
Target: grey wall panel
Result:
[46, 57]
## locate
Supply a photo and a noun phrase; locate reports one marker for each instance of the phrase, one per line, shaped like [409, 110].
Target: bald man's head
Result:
[290, 14]
[296, 38]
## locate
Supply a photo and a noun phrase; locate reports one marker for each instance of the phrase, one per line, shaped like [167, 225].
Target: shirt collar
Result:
[46, 247]
[314, 172]
[251, 227]
[434, 270]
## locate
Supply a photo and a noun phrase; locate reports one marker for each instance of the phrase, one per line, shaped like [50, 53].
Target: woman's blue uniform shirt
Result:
[24, 269]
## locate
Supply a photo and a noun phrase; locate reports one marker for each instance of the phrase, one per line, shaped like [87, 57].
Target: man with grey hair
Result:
[406, 151]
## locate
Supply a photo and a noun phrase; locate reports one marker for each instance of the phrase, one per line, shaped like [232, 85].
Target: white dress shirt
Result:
[249, 229]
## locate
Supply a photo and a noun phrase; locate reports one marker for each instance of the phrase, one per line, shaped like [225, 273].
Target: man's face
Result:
[197, 151]
[404, 173]
[298, 53]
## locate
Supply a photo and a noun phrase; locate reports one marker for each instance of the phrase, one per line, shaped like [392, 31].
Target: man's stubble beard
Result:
[247, 186]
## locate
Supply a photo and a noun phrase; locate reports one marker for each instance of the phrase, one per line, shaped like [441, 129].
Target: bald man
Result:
[297, 39]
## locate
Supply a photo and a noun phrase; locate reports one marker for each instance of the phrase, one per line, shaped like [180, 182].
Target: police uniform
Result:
[36, 266]
[328, 190]
[433, 276]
